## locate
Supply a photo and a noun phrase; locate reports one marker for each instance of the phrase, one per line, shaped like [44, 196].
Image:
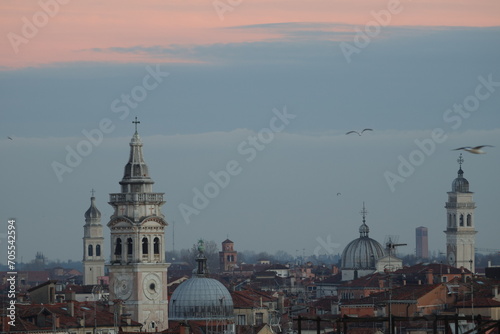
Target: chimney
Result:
[495, 291]
[430, 277]
[70, 295]
[55, 320]
[381, 283]
[71, 308]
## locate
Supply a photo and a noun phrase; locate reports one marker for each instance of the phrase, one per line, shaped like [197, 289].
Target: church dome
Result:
[92, 212]
[362, 253]
[460, 184]
[201, 297]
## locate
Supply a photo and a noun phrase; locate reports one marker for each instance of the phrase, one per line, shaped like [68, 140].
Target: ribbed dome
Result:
[92, 212]
[201, 298]
[361, 253]
[460, 184]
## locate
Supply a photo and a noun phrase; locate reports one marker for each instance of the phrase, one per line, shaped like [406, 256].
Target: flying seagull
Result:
[475, 150]
[359, 133]
[339, 194]
[10, 138]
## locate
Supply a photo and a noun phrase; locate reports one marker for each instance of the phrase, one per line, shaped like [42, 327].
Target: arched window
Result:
[469, 220]
[144, 245]
[91, 251]
[118, 246]
[461, 220]
[129, 246]
[156, 246]
[454, 220]
[449, 219]
[98, 250]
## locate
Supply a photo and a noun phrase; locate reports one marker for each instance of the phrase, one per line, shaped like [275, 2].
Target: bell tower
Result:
[93, 258]
[138, 271]
[460, 232]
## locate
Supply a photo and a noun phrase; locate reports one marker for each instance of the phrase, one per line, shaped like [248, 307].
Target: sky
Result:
[244, 108]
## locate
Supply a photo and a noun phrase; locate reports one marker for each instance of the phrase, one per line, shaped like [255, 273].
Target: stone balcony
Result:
[151, 198]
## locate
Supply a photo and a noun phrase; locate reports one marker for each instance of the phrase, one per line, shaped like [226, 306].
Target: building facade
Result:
[138, 271]
[460, 232]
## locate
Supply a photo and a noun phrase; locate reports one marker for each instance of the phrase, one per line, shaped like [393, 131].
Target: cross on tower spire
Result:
[364, 212]
[136, 122]
[460, 160]
[92, 192]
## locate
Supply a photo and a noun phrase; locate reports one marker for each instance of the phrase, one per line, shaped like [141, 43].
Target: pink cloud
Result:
[84, 25]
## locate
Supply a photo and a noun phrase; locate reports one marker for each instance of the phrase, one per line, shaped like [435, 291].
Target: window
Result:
[469, 220]
[129, 246]
[144, 245]
[461, 220]
[98, 250]
[259, 318]
[156, 246]
[242, 320]
[118, 246]
[90, 251]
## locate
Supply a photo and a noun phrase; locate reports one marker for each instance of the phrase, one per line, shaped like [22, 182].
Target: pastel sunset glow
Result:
[78, 27]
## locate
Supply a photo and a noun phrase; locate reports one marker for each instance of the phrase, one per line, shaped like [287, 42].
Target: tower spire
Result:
[364, 212]
[135, 123]
[364, 229]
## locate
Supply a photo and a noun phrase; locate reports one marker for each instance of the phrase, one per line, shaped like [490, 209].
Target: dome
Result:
[460, 184]
[92, 212]
[201, 298]
[361, 253]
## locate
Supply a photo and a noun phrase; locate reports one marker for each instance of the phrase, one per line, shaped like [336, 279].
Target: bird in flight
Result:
[338, 194]
[9, 138]
[359, 133]
[475, 150]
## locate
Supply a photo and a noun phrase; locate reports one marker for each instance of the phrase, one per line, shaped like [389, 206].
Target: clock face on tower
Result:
[151, 285]
[122, 286]
[451, 258]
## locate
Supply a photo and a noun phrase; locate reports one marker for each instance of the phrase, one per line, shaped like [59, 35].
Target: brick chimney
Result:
[430, 276]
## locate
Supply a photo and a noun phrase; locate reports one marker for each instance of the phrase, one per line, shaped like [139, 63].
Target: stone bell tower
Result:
[138, 271]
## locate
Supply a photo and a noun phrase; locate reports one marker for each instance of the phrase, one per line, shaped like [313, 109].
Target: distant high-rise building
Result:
[460, 232]
[422, 242]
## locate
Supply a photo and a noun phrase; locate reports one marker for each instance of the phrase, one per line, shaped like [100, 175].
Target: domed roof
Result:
[201, 298]
[460, 184]
[92, 212]
[362, 253]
